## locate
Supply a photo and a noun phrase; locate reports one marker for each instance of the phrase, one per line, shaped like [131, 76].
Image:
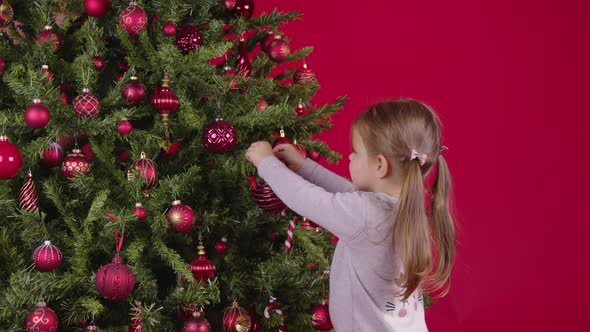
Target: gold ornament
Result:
[6, 14]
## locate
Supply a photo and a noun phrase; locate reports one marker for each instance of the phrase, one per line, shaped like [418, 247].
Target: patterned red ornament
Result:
[164, 100]
[229, 4]
[96, 8]
[48, 35]
[124, 128]
[236, 319]
[148, 172]
[6, 14]
[134, 92]
[115, 280]
[303, 75]
[42, 319]
[243, 66]
[219, 136]
[98, 62]
[11, 159]
[45, 71]
[188, 38]
[261, 105]
[265, 198]
[140, 212]
[52, 156]
[75, 163]
[46, 257]
[229, 73]
[244, 8]
[169, 29]
[320, 317]
[36, 115]
[133, 19]
[28, 198]
[278, 50]
[86, 105]
[196, 323]
[221, 246]
[202, 267]
[180, 217]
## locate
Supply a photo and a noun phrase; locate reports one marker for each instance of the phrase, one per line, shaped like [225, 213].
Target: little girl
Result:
[384, 258]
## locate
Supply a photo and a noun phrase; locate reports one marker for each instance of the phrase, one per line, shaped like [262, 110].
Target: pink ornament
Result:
[303, 75]
[140, 212]
[202, 267]
[46, 257]
[243, 66]
[133, 19]
[148, 172]
[50, 36]
[86, 105]
[244, 8]
[180, 217]
[36, 115]
[188, 38]
[28, 199]
[75, 164]
[278, 50]
[164, 100]
[98, 62]
[219, 136]
[221, 246]
[134, 92]
[96, 8]
[11, 159]
[169, 29]
[261, 105]
[115, 280]
[265, 198]
[124, 128]
[52, 156]
[42, 319]
[320, 317]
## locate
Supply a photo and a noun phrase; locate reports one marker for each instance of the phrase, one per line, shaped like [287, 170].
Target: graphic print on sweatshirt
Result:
[402, 313]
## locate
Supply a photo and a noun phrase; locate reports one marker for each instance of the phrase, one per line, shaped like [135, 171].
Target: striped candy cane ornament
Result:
[290, 234]
[273, 306]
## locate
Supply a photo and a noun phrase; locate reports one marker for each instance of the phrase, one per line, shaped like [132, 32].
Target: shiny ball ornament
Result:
[229, 73]
[164, 100]
[11, 160]
[115, 280]
[278, 50]
[202, 267]
[169, 29]
[36, 115]
[196, 323]
[236, 319]
[147, 169]
[140, 212]
[320, 317]
[46, 257]
[133, 19]
[221, 246]
[219, 136]
[6, 14]
[48, 35]
[98, 62]
[301, 110]
[124, 128]
[86, 105]
[244, 8]
[96, 8]
[28, 199]
[75, 163]
[314, 155]
[265, 198]
[134, 92]
[42, 319]
[243, 65]
[303, 75]
[52, 156]
[188, 38]
[229, 4]
[180, 217]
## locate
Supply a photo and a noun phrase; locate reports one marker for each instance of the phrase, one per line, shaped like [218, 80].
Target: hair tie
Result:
[420, 157]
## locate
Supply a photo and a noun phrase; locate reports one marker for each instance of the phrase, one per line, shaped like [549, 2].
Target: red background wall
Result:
[508, 79]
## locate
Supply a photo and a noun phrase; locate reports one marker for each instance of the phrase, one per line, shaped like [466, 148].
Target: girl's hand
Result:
[290, 156]
[258, 151]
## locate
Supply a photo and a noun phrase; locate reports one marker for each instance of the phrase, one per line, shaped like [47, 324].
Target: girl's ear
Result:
[383, 166]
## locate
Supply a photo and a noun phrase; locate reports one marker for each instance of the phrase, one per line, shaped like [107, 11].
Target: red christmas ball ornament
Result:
[134, 92]
[229, 4]
[228, 72]
[140, 212]
[301, 110]
[123, 67]
[202, 267]
[115, 280]
[165, 101]
[244, 8]
[11, 159]
[48, 35]
[219, 136]
[221, 246]
[119, 76]
[98, 62]
[45, 71]
[124, 128]
[96, 8]
[42, 319]
[236, 319]
[46, 257]
[75, 163]
[265, 198]
[278, 50]
[2, 66]
[265, 42]
[320, 317]
[261, 105]
[52, 156]
[188, 38]
[28, 199]
[314, 155]
[243, 66]
[36, 115]
[133, 19]
[196, 323]
[303, 75]
[86, 105]
[281, 139]
[180, 217]
[148, 172]
[169, 29]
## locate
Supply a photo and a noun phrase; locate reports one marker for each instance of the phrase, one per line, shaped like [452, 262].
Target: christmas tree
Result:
[125, 195]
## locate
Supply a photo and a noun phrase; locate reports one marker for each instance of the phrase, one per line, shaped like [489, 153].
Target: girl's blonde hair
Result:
[394, 128]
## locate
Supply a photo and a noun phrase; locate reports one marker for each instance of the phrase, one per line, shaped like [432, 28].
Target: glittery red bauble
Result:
[265, 198]
[140, 212]
[133, 19]
[86, 105]
[148, 171]
[229, 4]
[261, 105]
[228, 72]
[219, 136]
[244, 8]
[75, 163]
[115, 280]
[320, 317]
[221, 246]
[52, 156]
[236, 319]
[196, 324]
[11, 159]
[96, 8]
[134, 92]
[243, 65]
[98, 62]
[46, 257]
[124, 128]
[164, 100]
[202, 267]
[169, 29]
[278, 50]
[42, 319]
[28, 199]
[2, 66]
[37, 115]
[50, 36]
[188, 38]
[303, 75]
[180, 217]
